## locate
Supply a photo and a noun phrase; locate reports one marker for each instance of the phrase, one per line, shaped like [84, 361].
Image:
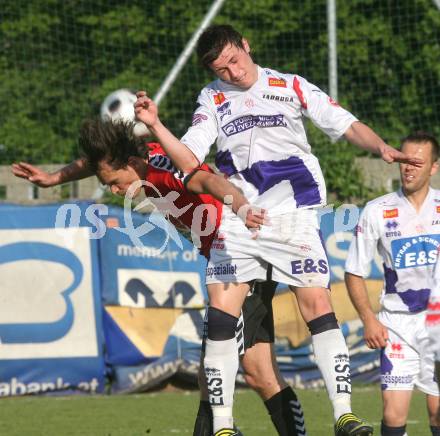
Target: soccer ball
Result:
[119, 106]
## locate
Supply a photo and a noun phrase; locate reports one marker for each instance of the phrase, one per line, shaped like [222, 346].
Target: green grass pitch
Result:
[173, 413]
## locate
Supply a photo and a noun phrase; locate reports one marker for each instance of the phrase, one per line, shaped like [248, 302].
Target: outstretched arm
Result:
[76, 170]
[203, 182]
[361, 135]
[180, 154]
[375, 333]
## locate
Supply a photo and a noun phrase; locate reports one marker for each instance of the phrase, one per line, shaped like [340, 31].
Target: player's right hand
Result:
[375, 334]
[35, 175]
[145, 109]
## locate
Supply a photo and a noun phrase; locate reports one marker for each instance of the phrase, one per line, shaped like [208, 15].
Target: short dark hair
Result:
[111, 142]
[421, 136]
[214, 39]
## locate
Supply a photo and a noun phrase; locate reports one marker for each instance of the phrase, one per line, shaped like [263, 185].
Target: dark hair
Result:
[214, 39]
[111, 142]
[419, 137]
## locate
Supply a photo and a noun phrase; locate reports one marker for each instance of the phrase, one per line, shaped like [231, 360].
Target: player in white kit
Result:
[405, 228]
[433, 322]
[255, 116]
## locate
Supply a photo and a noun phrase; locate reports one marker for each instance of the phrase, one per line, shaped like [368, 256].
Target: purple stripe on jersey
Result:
[390, 280]
[225, 163]
[415, 299]
[266, 174]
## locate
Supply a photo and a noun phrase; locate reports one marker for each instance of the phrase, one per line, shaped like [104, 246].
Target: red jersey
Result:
[164, 178]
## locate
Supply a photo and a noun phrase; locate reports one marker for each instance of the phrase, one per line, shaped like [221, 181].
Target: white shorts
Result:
[407, 360]
[291, 243]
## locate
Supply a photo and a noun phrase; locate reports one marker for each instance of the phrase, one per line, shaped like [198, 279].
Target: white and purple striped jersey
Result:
[408, 243]
[261, 139]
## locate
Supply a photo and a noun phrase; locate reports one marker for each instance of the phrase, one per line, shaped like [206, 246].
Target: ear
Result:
[133, 161]
[434, 168]
[246, 46]
[139, 165]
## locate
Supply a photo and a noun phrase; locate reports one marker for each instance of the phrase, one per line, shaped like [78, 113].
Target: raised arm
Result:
[203, 182]
[375, 333]
[361, 135]
[180, 154]
[76, 170]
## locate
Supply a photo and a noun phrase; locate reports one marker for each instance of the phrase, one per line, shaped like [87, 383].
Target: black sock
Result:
[435, 430]
[286, 413]
[392, 431]
[203, 424]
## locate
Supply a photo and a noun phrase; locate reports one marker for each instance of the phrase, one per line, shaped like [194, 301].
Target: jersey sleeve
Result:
[204, 130]
[189, 176]
[363, 245]
[323, 111]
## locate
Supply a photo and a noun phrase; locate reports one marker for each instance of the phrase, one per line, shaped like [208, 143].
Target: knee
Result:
[259, 384]
[221, 325]
[320, 306]
[261, 380]
[314, 305]
[393, 417]
[434, 413]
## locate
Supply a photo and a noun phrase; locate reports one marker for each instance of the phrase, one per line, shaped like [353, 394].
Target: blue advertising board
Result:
[50, 316]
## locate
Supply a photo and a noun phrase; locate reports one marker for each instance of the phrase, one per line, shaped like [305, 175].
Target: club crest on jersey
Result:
[219, 98]
[280, 83]
[437, 209]
[224, 107]
[391, 213]
[249, 103]
[224, 110]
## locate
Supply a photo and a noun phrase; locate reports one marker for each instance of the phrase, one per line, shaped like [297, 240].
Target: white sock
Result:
[221, 366]
[331, 355]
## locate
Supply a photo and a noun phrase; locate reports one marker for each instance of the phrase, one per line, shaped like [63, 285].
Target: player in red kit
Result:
[119, 159]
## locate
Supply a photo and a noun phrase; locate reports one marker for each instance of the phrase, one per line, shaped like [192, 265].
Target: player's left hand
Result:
[253, 217]
[145, 109]
[390, 155]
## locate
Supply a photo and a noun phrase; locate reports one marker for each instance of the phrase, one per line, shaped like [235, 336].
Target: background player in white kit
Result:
[255, 117]
[405, 228]
[433, 323]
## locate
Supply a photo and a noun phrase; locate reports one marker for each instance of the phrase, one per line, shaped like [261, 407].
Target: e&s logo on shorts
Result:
[416, 251]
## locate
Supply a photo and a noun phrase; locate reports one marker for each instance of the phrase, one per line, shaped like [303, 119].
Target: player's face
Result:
[235, 66]
[119, 180]
[413, 178]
